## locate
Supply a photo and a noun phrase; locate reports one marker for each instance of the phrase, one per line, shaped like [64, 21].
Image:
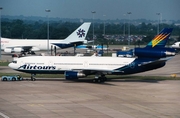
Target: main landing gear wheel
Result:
[101, 79]
[33, 77]
[32, 53]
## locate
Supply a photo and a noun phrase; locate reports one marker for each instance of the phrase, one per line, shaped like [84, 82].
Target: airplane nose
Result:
[12, 65]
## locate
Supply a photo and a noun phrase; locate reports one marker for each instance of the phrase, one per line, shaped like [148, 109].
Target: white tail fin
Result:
[79, 34]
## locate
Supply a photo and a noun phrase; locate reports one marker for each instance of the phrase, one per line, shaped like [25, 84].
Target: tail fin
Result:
[160, 40]
[79, 34]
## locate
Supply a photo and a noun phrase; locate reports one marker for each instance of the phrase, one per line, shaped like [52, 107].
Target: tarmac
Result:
[57, 98]
[116, 98]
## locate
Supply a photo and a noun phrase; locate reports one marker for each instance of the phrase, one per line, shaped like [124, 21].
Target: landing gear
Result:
[33, 77]
[31, 52]
[99, 79]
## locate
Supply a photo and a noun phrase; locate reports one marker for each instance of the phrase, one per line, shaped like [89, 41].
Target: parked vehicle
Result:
[12, 78]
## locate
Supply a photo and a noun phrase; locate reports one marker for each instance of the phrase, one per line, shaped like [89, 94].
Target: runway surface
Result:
[118, 98]
[57, 98]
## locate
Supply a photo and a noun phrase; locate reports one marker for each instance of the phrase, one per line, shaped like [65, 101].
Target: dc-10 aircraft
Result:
[32, 45]
[153, 56]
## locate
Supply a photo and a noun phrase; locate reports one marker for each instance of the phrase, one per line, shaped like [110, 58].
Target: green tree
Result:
[17, 29]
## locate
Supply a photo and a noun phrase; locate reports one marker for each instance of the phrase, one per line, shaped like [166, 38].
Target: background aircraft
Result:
[176, 45]
[31, 45]
[92, 47]
[158, 43]
[153, 56]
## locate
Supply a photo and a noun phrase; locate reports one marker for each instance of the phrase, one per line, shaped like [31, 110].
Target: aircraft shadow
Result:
[109, 79]
[136, 79]
[67, 81]
[43, 79]
[89, 81]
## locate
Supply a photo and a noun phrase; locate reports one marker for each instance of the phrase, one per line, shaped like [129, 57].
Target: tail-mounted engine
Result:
[154, 52]
[148, 52]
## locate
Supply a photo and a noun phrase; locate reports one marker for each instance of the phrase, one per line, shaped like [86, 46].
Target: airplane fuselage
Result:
[58, 65]
[41, 44]
[63, 63]
[31, 45]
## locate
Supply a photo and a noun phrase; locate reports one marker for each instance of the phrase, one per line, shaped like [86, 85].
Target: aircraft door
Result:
[85, 64]
[2, 46]
[21, 63]
[50, 63]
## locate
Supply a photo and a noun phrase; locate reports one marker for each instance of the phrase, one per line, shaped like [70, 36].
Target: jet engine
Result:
[154, 52]
[12, 50]
[72, 75]
[148, 53]
[35, 49]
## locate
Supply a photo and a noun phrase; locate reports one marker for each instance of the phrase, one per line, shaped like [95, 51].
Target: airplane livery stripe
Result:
[159, 39]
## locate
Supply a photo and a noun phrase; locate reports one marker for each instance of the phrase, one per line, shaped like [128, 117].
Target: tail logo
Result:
[81, 33]
[159, 38]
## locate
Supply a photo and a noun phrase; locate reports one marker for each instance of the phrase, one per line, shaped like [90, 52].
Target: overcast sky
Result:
[112, 9]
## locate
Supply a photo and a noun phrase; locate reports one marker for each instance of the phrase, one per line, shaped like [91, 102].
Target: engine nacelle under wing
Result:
[72, 75]
[12, 50]
[35, 49]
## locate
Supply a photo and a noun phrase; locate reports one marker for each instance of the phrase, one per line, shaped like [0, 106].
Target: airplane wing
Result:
[20, 49]
[93, 71]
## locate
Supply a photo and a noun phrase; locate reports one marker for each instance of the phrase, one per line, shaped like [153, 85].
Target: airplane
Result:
[176, 45]
[96, 47]
[153, 56]
[32, 45]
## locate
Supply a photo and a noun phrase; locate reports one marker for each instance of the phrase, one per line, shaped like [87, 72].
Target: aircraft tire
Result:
[13, 79]
[99, 80]
[5, 79]
[94, 80]
[33, 79]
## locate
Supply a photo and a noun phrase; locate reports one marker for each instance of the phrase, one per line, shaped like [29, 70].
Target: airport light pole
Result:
[124, 26]
[0, 31]
[47, 10]
[104, 26]
[93, 12]
[103, 43]
[129, 28]
[159, 14]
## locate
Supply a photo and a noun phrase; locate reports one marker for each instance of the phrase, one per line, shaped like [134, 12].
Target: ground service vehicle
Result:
[12, 78]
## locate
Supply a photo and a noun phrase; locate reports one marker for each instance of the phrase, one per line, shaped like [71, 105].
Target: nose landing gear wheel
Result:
[33, 77]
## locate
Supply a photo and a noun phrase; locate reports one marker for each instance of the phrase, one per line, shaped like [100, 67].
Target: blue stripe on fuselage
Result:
[62, 46]
[136, 66]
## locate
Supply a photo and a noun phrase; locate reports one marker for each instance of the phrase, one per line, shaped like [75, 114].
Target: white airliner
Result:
[176, 45]
[153, 56]
[31, 45]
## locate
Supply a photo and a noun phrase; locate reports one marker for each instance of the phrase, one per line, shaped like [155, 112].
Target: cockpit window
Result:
[14, 62]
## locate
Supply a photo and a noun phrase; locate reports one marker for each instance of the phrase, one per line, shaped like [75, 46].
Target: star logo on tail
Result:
[81, 33]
